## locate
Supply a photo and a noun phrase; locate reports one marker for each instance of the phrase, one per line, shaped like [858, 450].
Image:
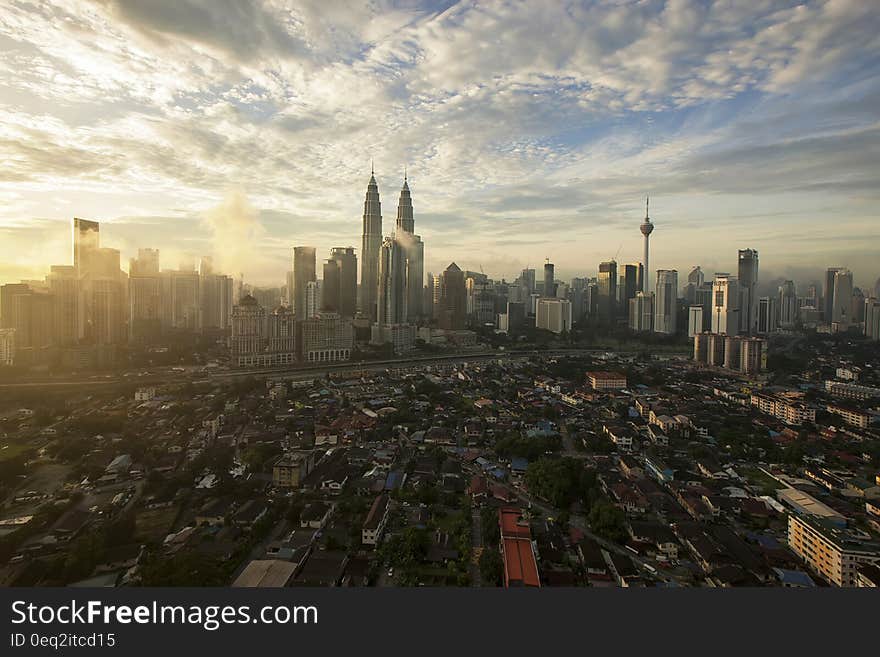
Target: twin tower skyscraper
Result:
[392, 268]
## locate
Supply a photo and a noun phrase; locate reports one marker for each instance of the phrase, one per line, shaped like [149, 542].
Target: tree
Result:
[491, 567]
[560, 481]
[489, 529]
[405, 551]
[608, 521]
[185, 569]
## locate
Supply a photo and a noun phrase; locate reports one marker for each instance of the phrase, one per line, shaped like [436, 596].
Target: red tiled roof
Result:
[520, 568]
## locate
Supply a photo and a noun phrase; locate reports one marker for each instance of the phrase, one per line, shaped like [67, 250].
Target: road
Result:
[198, 374]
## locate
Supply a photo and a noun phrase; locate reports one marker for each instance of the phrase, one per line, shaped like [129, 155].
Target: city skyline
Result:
[190, 261]
[435, 294]
[542, 144]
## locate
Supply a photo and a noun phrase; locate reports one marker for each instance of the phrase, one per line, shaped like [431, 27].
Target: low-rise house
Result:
[290, 469]
[249, 514]
[630, 467]
[323, 568]
[214, 512]
[266, 573]
[594, 563]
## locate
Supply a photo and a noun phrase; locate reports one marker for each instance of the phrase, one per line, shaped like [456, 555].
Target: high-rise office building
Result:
[7, 347]
[392, 297]
[857, 316]
[28, 310]
[515, 316]
[144, 307]
[549, 282]
[695, 320]
[767, 320]
[725, 304]
[146, 263]
[481, 298]
[665, 302]
[261, 339]
[339, 293]
[828, 305]
[326, 338]
[695, 280]
[66, 290]
[105, 307]
[206, 266]
[607, 309]
[629, 285]
[841, 311]
[747, 273]
[872, 319]
[303, 274]
[370, 245]
[703, 297]
[86, 242]
[405, 221]
[180, 303]
[646, 229]
[144, 295]
[436, 293]
[414, 251]
[103, 304]
[641, 312]
[314, 298]
[108, 311]
[453, 299]
[553, 315]
[7, 309]
[562, 290]
[788, 308]
[215, 300]
[248, 337]
[281, 336]
[527, 280]
[578, 295]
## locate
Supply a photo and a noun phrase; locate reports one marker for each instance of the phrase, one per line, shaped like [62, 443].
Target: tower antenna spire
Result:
[647, 200]
[372, 169]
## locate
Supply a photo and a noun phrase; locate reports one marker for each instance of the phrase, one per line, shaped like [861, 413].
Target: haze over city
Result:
[527, 131]
[552, 295]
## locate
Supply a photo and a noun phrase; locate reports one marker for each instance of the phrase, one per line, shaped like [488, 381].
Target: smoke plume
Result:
[235, 234]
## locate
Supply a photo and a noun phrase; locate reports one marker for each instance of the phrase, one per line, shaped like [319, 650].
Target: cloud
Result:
[245, 30]
[524, 125]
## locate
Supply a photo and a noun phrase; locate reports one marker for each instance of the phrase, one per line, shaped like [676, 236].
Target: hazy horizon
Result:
[528, 131]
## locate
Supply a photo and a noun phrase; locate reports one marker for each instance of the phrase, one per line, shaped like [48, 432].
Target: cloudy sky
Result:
[529, 130]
